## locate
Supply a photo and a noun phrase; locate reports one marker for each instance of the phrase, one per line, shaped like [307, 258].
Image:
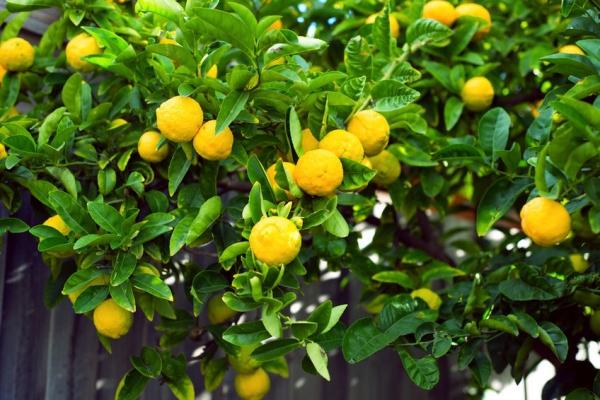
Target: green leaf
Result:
[382, 33]
[124, 264]
[302, 329]
[426, 30]
[180, 234]
[246, 334]
[71, 94]
[525, 323]
[319, 359]
[149, 363]
[209, 281]
[178, 168]
[356, 175]
[112, 42]
[442, 272]
[581, 394]
[41, 190]
[182, 387]
[570, 64]
[452, 111]
[391, 95]
[215, 371]
[397, 277]
[90, 298]
[493, 131]
[468, 352]
[30, 5]
[553, 337]
[497, 200]
[321, 315]
[530, 286]
[153, 285]
[106, 216]
[423, 372]
[233, 103]
[134, 384]
[72, 213]
[209, 213]
[256, 173]
[300, 45]
[500, 323]
[276, 348]
[361, 340]
[481, 368]
[277, 366]
[233, 251]
[13, 225]
[358, 58]
[270, 318]
[169, 9]
[459, 152]
[123, 295]
[176, 53]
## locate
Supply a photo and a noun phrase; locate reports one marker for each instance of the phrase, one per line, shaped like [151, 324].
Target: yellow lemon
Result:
[275, 241]
[147, 147]
[343, 144]
[579, 263]
[179, 118]
[545, 221]
[372, 129]
[477, 94]
[479, 11]
[16, 54]
[111, 320]
[212, 71]
[571, 49]
[80, 46]
[57, 223]
[441, 11]
[3, 153]
[387, 166]
[275, 25]
[431, 298]
[2, 73]
[271, 174]
[213, 147]
[218, 311]
[319, 172]
[252, 386]
[309, 142]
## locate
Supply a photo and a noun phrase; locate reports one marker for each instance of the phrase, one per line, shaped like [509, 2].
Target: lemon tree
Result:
[163, 127]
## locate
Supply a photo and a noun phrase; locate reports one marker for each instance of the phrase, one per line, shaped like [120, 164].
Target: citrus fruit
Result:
[387, 166]
[99, 281]
[309, 142]
[580, 264]
[13, 112]
[275, 241]
[275, 25]
[80, 46]
[271, 174]
[441, 11]
[212, 71]
[2, 73]
[394, 25]
[3, 153]
[252, 386]
[545, 221]
[147, 147]
[372, 129]
[179, 118]
[343, 144]
[479, 11]
[218, 311]
[571, 49]
[242, 362]
[213, 147]
[431, 298]
[595, 322]
[16, 54]
[319, 172]
[111, 320]
[477, 94]
[57, 223]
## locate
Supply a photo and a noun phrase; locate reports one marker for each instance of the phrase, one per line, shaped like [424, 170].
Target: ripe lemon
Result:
[275, 241]
[571, 49]
[80, 46]
[179, 118]
[212, 147]
[242, 362]
[147, 147]
[252, 386]
[387, 166]
[3, 153]
[99, 281]
[476, 10]
[579, 263]
[309, 142]
[477, 93]
[343, 144]
[271, 174]
[275, 25]
[372, 129]
[218, 311]
[16, 54]
[545, 221]
[431, 298]
[2, 73]
[57, 223]
[111, 320]
[394, 25]
[212, 71]
[441, 11]
[319, 172]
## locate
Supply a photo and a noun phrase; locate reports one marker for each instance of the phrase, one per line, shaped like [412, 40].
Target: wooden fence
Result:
[55, 354]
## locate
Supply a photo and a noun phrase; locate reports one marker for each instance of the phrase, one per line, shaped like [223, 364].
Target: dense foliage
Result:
[135, 223]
